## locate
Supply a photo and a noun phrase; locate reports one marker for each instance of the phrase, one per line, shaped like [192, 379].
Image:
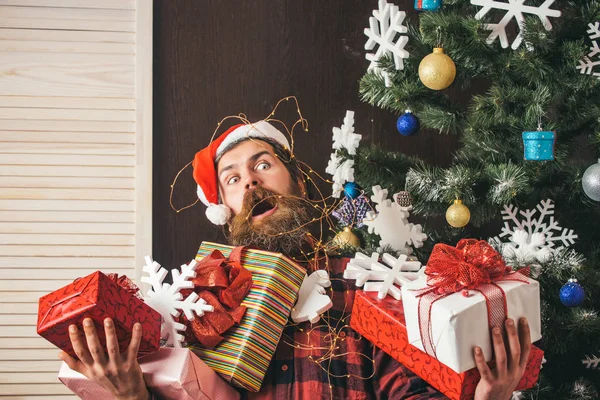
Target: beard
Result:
[284, 231]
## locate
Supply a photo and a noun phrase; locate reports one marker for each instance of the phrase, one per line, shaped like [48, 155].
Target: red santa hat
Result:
[205, 173]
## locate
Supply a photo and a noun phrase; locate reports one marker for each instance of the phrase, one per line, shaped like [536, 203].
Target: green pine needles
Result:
[508, 91]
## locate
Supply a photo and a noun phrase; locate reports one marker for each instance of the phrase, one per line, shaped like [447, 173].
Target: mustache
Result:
[258, 196]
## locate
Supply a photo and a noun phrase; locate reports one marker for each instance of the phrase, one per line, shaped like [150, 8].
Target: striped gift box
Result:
[243, 357]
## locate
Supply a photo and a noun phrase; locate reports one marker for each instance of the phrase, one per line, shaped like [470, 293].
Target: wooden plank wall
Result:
[75, 163]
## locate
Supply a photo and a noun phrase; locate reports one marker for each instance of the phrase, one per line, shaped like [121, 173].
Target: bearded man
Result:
[250, 181]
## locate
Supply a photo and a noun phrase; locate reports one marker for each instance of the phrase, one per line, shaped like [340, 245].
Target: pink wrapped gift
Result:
[169, 374]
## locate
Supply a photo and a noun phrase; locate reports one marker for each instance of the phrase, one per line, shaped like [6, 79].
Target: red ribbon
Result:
[223, 283]
[471, 265]
[126, 283]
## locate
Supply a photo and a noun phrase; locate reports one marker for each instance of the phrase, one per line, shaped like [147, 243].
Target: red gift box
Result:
[97, 296]
[382, 323]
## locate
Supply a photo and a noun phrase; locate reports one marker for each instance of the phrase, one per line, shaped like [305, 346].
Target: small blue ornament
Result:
[408, 124]
[351, 190]
[428, 5]
[572, 294]
[539, 145]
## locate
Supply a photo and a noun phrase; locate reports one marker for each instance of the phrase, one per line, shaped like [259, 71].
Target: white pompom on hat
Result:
[205, 173]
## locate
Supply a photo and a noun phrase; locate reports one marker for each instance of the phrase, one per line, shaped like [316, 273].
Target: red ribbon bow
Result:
[126, 283]
[471, 265]
[223, 283]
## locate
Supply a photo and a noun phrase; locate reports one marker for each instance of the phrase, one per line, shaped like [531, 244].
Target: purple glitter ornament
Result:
[353, 211]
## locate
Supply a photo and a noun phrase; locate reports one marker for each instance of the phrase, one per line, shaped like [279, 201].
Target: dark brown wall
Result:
[214, 58]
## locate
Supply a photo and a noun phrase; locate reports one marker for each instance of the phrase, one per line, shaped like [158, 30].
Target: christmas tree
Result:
[529, 134]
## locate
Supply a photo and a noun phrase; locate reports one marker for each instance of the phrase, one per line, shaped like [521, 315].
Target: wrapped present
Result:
[468, 290]
[382, 323]
[242, 358]
[539, 145]
[169, 374]
[98, 296]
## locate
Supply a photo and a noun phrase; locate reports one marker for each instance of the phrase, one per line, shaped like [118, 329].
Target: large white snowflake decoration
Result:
[532, 239]
[514, 9]
[167, 300]
[586, 66]
[382, 276]
[343, 138]
[386, 30]
[390, 222]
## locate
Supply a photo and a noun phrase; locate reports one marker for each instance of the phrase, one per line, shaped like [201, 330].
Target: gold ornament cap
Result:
[437, 71]
[458, 215]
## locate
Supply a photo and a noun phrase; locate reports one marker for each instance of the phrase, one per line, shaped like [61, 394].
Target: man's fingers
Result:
[513, 344]
[525, 342]
[482, 367]
[93, 342]
[112, 342]
[134, 345]
[72, 362]
[499, 351]
[78, 346]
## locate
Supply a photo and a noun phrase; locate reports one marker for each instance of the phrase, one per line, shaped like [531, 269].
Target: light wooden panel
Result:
[116, 4]
[67, 35]
[67, 137]
[67, 239]
[61, 182]
[67, 216]
[75, 164]
[70, 74]
[66, 114]
[68, 205]
[66, 47]
[67, 102]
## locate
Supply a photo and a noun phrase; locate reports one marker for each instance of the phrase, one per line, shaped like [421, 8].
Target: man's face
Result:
[250, 164]
[270, 211]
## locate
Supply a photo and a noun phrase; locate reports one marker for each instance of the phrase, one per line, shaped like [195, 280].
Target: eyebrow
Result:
[253, 159]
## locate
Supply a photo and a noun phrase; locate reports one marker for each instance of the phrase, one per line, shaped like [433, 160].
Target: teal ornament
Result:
[539, 145]
[408, 124]
[351, 190]
[428, 5]
[572, 294]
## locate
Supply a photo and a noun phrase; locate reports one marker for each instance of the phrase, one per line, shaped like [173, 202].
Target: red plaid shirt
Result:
[295, 375]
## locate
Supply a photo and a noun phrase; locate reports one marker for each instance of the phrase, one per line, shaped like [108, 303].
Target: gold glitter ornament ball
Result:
[346, 238]
[437, 71]
[458, 215]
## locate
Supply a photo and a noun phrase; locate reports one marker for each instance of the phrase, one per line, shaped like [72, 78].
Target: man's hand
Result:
[119, 373]
[499, 382]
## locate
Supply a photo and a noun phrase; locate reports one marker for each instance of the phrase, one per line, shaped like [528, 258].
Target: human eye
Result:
[263, 165]
[232, 180]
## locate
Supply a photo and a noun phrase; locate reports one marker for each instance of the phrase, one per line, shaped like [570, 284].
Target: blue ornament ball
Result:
[408, 124]
[572, 294]
[351, 190]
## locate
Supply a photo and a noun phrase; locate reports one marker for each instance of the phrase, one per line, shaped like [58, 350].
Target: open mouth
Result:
[263, 209]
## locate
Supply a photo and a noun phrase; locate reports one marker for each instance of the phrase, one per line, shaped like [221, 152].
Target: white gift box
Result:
[460, 323]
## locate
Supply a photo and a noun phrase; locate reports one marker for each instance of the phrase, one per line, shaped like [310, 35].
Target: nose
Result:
[251, 181]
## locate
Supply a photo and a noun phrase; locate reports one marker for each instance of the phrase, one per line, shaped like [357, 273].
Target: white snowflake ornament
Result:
[386, 30]
[532, 239]
[312, 298]
[390, 222]
[385, 276]
[592, 362]
[586, 66]
[344, 136]
[167, 300]
[514, 9]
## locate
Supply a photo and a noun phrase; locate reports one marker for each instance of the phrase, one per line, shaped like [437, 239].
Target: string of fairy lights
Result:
[331, 331]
